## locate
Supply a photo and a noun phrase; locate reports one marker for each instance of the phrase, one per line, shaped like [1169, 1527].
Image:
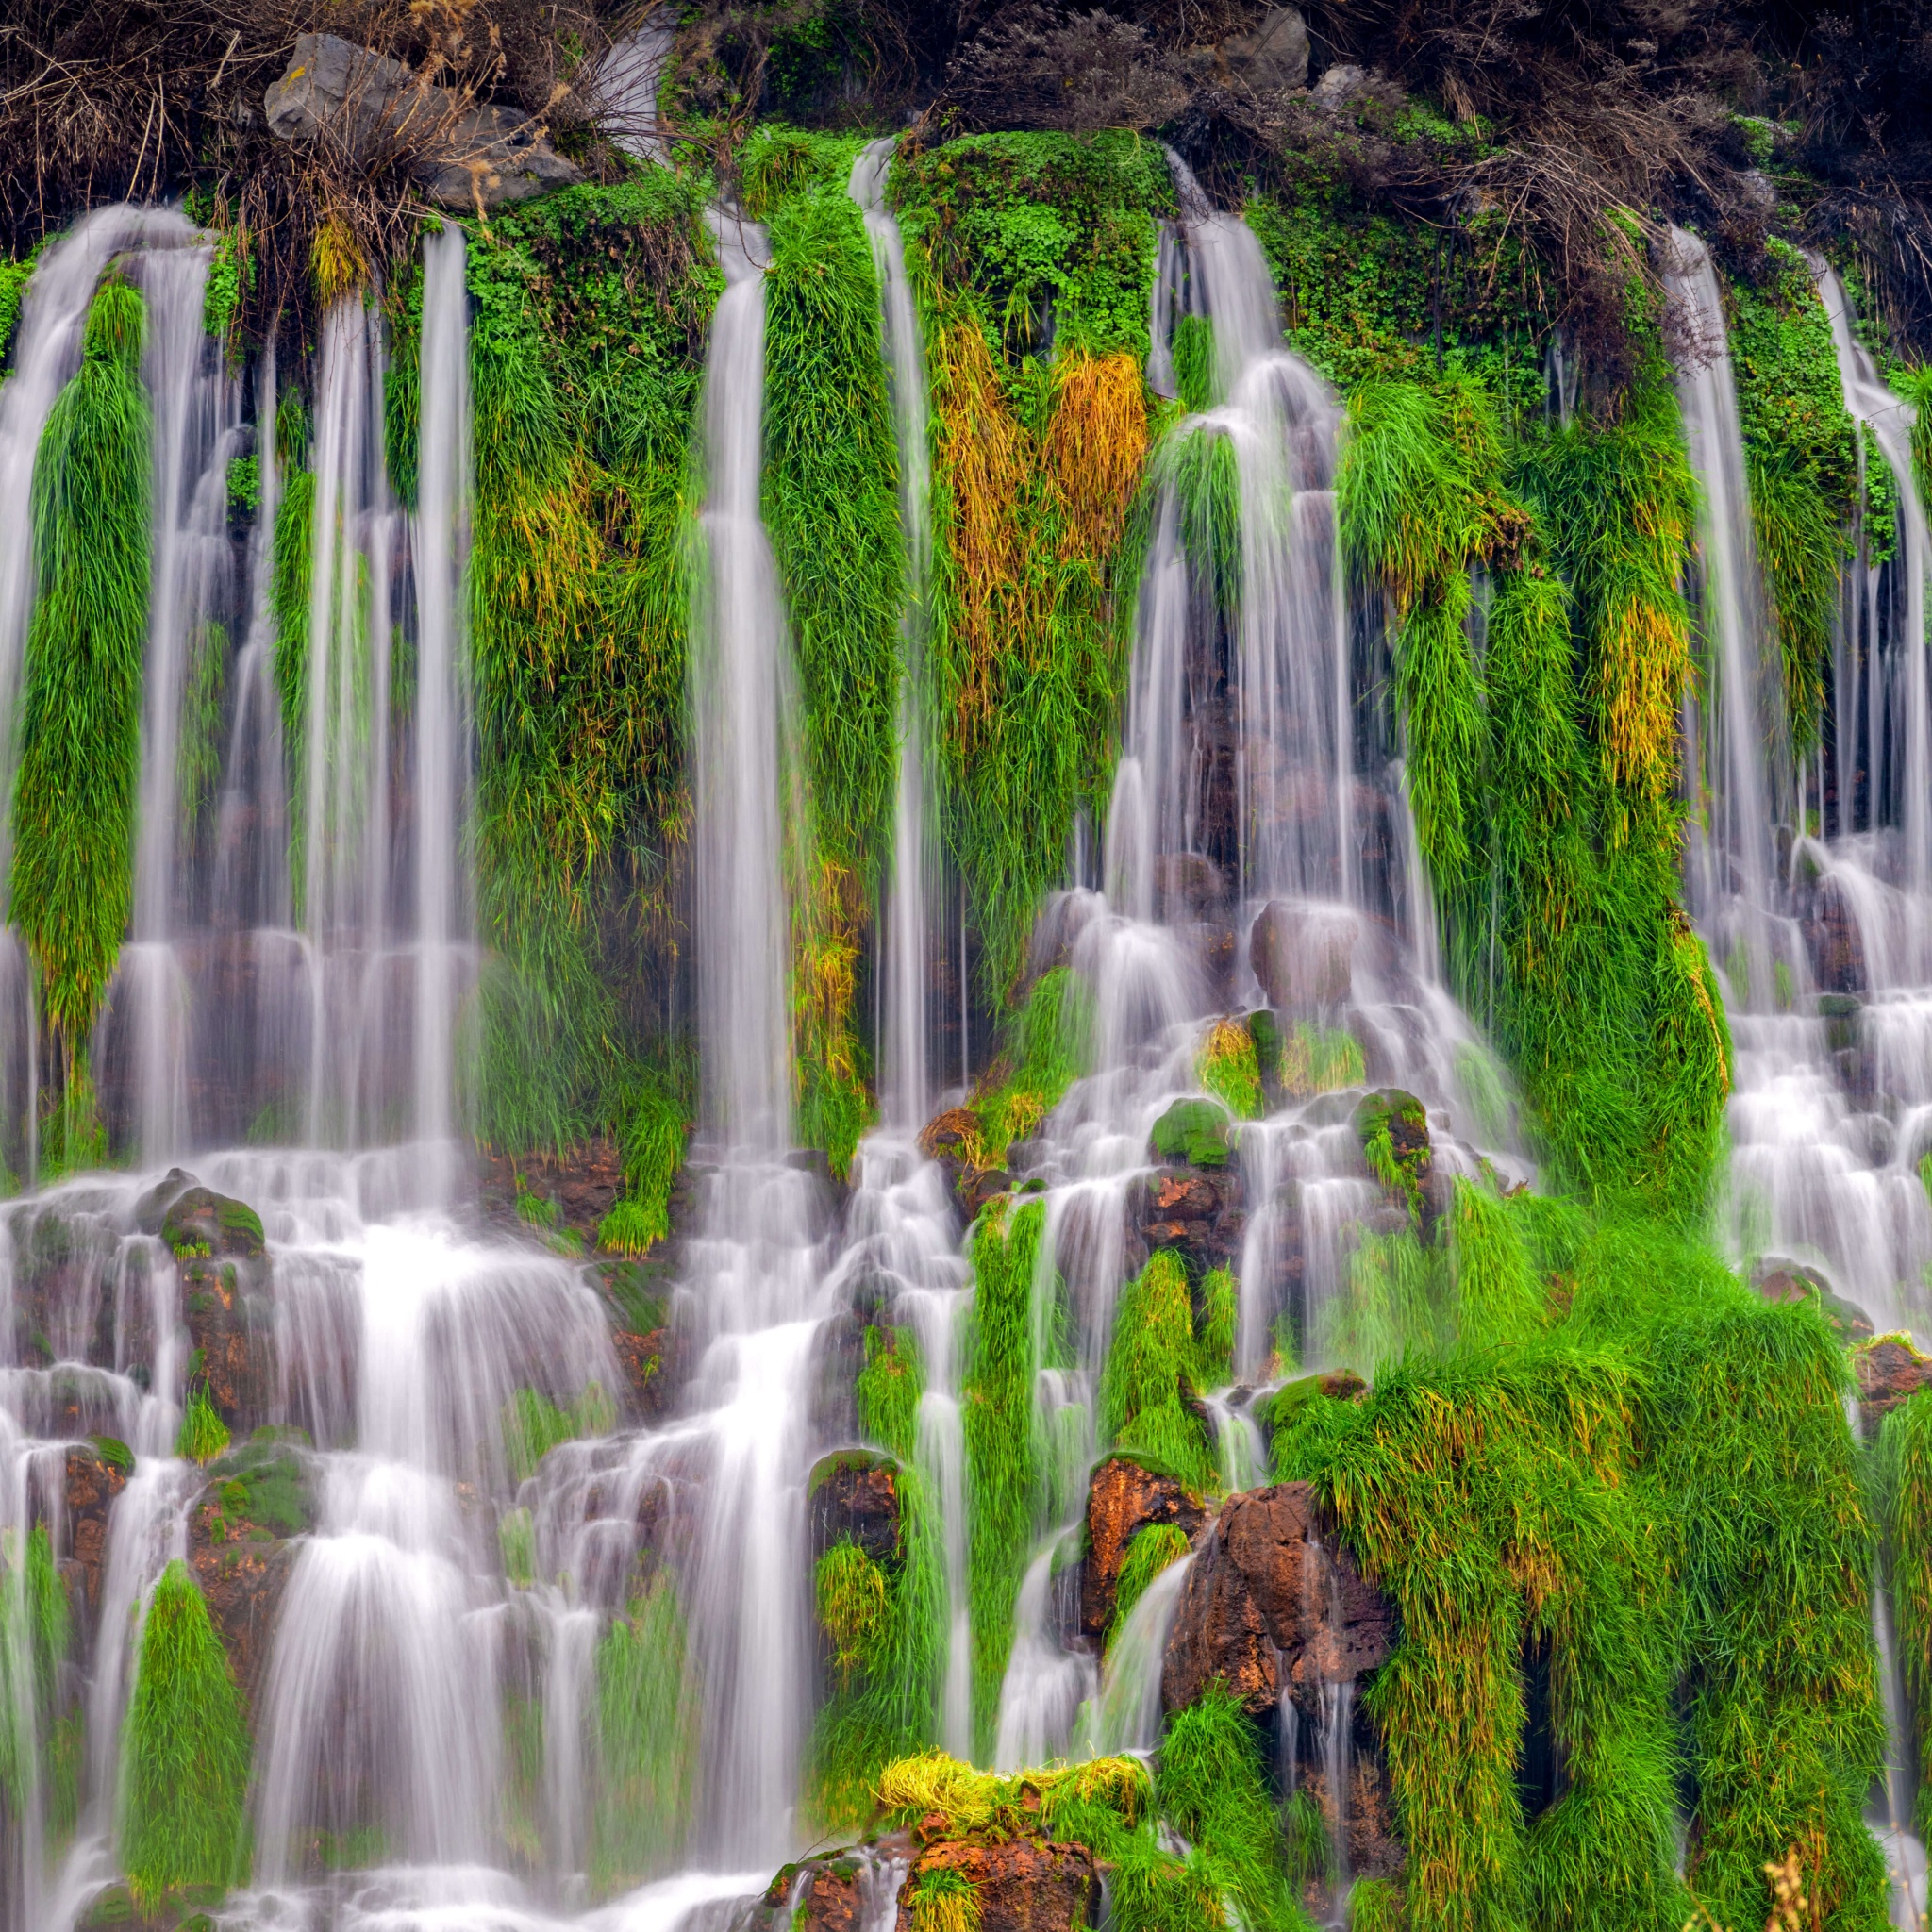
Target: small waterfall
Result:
[1126, 1716]
[1737, 740]
[905, 1052]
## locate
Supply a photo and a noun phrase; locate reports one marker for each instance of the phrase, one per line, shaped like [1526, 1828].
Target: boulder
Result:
[152, 1209]
[1187, 882]
[1197, 1212]
[635, 1294]
[201, 1224]
[1022, 1885]
[1121, 1500]
[1303, 955]
[1394, 1130]
[842, 1892]
[241, 1545]
[1274, 1603]
[1194, 1131]
[1274, 56]
[1887, 1372]
[1834, 942]
[1792, 1281]
[371, 111]
[1339, 85]
[855, 1493]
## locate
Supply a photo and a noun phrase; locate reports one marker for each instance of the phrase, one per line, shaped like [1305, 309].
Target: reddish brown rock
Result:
[1196, 1211]
[1888, 1374]
[855, 1495]
[231, 1325]
[1272, 1602]
[1303, 955]
[1121, 1500]
[93, 1482]
[1022, 1885]
[242, 1543]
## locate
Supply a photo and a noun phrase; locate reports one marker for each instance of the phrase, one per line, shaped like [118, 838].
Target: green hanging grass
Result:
[184, 1752]
[647, 1731]
[81, 717]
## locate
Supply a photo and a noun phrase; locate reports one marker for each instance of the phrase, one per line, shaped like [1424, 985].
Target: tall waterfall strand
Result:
[906, 1089]
[198, 430]
[743, 705]
[1740, 751]
[442, 731]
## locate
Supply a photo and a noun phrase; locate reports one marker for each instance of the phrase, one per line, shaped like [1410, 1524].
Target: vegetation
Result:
[184, 1752]
[646, 1742]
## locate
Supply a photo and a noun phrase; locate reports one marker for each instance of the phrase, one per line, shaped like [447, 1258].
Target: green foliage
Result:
[80, 716]
[533, 1426]
[1003, 1456]
[1801, 463]
[1154, 1367]
[1214, 1792]
[1229, 1069]
[852, 1610]
[889, 1384]
[655, 1123]
[586, 341]
[1150, 1552]
[1652, 1481]
[1905, 1492]
[203, 1434]
[184, 1752]
[199, 747]
[647, 1741]
[777, 162]
[1194, 1131]
[1047, 1048]
[35, 1634]
[14, 276]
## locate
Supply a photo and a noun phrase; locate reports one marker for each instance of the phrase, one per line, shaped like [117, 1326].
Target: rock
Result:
[1275, 57]
[1197, 1212]
[1791, 1281]
[1272, 1603]
[952, 1139]
[97, 1473]
[1887, 1372]
[1121, 1500]
[1303, 955]
[1833, 939]
[1756, 190]
[201, 1224]
[1194, 1131]
[1394, 1129]
[1339, 85]
[373, 109]
[1187, 882]
[635, 1294]
[1213, 949]
[1336, 1385]
[232, 1327]
[844, 1891]
[152, 1209]
[855, 1493]
[241, 1545]
[1022, 1885]
[985, 1187]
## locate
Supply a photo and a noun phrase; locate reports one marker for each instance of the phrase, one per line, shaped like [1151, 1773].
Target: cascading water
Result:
[1256, 855]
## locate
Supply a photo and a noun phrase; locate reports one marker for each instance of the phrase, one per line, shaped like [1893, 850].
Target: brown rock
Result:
[1888, 1374]
[1834, 942]
[1121, 1500]
[244, 1581]
[1186, 881]
[1271, 1601]
[1197, 1211]
[855, 1493]
[232, 1328]
[1303, 955]
[92, 1484]
[1024, 1885]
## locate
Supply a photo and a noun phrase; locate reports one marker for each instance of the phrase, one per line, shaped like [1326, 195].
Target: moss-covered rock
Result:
[1194, 1131]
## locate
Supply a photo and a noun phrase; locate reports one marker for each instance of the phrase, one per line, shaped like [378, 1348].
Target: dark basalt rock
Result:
[1272, 1602]
[1303, 955]
[152, 1209]
[1196, 1212]
[1022, 1885]
[855, 1493]
[1123, 1499]
[1833, 940]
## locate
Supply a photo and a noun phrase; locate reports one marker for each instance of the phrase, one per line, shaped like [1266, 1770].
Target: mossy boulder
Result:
[241, 1543]
[1017, 1884]
[1194, 1131]
[1393, 1126]
[1889, 1371]
[853, 1495]
[1792, 1281]
[201, 1224]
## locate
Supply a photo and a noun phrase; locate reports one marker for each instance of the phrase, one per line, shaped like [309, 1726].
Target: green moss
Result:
[14, 276]
[1154, 1367]
[1004, 1458]
[80, 715]
[184, 1752]
[1194, 1131]
[1904, 1491]
[1801, 463]
[533, 1426]
[646, 1742]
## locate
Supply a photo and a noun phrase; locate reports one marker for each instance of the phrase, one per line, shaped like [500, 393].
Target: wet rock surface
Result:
[1303, 955]
[230, 1319]
[1272, 1603]
[855, 1493]
[1887, 1372]
[1832, 939]
[1022, 1885]
[94, 1475]
[1197, 1212]
[241, 1545]
[202, 1224]
[1793, 1281]
[1123, 1499]
[637, 1296]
